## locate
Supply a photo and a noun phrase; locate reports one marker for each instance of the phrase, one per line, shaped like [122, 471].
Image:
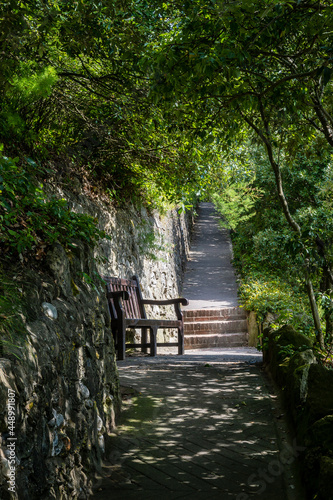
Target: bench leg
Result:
[144, 339]
[181, 340]
[121, 343]
[153, 340]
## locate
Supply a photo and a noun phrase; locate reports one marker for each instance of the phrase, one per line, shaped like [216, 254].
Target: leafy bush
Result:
[266, 294]
[12, 328]
[236, 204]
[29, 220]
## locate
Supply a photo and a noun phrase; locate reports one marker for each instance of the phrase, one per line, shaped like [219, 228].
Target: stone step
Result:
[214, 314]
[216, 326]
[216, 340]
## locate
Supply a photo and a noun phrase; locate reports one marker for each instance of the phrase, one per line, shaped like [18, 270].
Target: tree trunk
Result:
[315, 313]
[329, 327]
[326, 288]
[265, 137]
[324, 118]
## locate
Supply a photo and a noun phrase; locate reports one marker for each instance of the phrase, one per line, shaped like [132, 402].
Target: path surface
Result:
[210, 279]
[213, 317]
[203, 426]
[206, 425]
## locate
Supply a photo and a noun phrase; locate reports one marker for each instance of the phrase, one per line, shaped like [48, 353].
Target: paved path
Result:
[206, 425]
[203, 426]
[210, 279]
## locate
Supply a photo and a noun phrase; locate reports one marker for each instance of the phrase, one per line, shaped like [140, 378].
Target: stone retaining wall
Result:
[65, 384]
[151, 245]
[306, 385]
[64, 387]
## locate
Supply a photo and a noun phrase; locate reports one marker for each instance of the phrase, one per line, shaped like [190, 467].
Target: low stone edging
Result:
[306, 386]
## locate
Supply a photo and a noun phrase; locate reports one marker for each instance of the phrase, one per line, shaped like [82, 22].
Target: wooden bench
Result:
[127, 310]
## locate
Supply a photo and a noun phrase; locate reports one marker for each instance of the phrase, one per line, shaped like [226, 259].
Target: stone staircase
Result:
[225, 327]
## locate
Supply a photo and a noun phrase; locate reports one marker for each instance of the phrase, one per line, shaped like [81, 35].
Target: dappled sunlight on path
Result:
[212, 318]
[197, 430]
[210, 278]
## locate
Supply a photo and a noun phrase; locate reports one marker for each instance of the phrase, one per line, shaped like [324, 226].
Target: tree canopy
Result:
[259, 69]
[152, 102]
[139, 91]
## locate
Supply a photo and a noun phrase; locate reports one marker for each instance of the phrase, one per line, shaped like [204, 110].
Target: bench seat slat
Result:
[153, 302]
[134, 307]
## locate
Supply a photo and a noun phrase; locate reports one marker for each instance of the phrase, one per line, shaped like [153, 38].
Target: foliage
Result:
[145, 95]
[326, 356]
[268, 257]
[262, 293]
[150, 100]
[148, 244]
[12, 328]
[29, 220]
[289, 350]
[74, 84]
[236, 204]
[261, 63]
[256, 68]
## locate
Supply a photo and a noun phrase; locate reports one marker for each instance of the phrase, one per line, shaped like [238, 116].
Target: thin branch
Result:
[295, 76]
[325, 120]
[288, 56]
[313, 123]
[276, 169]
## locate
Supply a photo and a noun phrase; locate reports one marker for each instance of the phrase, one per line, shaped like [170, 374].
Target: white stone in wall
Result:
[49, 310]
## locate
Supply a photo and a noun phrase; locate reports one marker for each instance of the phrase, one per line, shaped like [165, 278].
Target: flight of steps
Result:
[225, 327]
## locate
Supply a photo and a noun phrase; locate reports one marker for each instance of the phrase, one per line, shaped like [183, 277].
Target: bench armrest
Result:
[169, 302]
[175, 302]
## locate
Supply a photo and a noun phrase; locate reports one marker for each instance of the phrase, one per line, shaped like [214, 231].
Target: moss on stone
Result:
[326, 478]
[288, 336]
[75, 288]
[320, 394]
[321, 434]
[301, 359]
[309, 396]
[297, 380]
[282, 345]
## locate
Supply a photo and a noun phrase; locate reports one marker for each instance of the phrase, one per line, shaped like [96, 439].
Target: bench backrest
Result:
[133, 307]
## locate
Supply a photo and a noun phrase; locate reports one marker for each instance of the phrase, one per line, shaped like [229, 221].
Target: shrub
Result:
[263, 295]
[29, 220]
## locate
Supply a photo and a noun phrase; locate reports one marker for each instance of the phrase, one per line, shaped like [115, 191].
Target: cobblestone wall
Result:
[148, 244]
[63, 390]
[64, 385]
[153, 246]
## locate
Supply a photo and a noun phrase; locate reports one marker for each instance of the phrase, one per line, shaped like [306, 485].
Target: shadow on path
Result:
[206, 425]
[210, 279]
[200, 429]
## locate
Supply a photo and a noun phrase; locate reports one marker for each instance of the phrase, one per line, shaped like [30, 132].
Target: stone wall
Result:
[145, 243]
[306, 385]
[65, 384]
[151, 245]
